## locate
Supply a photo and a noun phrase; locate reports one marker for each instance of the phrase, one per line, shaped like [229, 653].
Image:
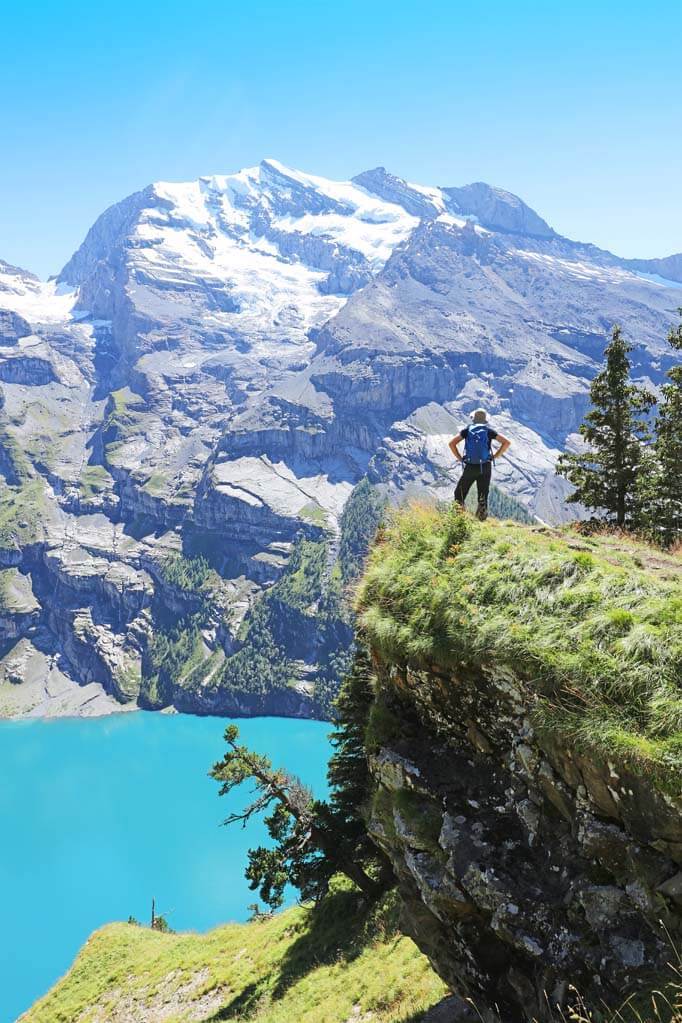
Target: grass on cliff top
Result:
[336, 964]
[22, 513]
[592, 625]
[122, 408]
[14, 454]
[123, 418]
[94, 480]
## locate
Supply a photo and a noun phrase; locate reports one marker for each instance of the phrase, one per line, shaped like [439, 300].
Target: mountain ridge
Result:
[463, 199]
[217, 368]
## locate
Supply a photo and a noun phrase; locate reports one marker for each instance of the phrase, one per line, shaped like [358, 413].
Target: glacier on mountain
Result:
[222, 361]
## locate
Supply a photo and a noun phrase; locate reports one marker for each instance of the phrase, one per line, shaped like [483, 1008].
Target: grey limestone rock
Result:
[222, 361]
[517, 879]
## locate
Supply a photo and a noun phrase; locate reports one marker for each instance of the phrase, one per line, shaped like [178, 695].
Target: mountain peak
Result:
[493, 207]
[417, 200]
[498, 209]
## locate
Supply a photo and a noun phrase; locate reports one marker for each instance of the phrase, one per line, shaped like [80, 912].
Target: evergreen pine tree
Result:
[359, 522]
[312, 839]
[660, 486]
[605, 474]
[349, 777]
[308, 848]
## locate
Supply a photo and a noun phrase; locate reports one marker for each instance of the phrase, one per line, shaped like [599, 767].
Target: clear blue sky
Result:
[575, 106]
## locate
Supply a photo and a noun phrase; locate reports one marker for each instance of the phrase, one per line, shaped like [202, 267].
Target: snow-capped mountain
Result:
[222, 361]
[266, 254]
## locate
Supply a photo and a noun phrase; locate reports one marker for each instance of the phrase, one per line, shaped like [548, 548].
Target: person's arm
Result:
[504, 446]
[453, 446]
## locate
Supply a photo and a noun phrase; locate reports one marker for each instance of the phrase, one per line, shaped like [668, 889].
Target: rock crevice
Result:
[522, 869]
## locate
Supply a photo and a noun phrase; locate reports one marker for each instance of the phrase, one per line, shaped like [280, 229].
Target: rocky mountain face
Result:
[198, 393]
[521, 870]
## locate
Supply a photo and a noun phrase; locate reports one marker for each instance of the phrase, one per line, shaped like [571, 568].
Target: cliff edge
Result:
[525, 742]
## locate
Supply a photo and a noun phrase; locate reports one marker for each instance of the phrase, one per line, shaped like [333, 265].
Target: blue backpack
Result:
[477, 445]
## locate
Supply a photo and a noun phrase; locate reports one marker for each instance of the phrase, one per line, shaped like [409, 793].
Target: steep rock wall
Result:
[522, 868]
[529, 864]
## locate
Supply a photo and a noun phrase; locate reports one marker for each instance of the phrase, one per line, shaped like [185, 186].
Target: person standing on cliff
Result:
[477, 459]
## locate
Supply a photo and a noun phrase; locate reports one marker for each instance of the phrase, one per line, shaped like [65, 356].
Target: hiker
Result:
[478, 459]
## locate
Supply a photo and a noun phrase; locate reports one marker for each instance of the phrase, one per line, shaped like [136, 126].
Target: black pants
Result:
[480, 475]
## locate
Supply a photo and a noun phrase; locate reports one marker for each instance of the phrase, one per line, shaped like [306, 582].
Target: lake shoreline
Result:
[94, 805]
[30, 700]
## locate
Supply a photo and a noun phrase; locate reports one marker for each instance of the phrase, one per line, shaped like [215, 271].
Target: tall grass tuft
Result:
[591, 625]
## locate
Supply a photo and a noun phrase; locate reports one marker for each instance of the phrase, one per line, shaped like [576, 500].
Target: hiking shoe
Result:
[481, 513]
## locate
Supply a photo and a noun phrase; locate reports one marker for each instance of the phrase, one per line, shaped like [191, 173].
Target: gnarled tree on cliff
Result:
[311, 839]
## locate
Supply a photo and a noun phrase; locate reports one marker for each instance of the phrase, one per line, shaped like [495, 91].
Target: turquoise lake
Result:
[99, 816]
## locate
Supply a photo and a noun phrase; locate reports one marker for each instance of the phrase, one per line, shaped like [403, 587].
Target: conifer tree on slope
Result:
[311, 839]
[605, 473]
[349, 778]
[660, 487]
